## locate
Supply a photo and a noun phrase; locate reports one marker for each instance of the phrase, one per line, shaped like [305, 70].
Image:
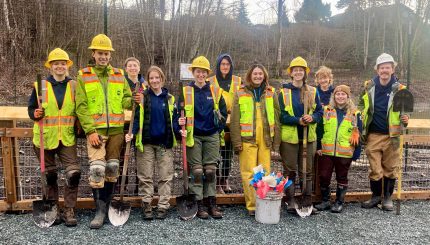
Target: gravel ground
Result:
[354, 226]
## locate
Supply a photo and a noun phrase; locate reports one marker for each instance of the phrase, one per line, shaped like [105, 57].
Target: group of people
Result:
[259, 119]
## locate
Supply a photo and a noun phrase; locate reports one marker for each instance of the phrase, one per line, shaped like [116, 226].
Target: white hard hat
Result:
[384, 58]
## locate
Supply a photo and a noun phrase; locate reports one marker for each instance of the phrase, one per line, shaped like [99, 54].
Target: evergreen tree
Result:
[242, 14]
[313, 11]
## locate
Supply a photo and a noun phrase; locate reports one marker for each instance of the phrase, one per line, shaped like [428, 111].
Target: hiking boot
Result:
[387, 202]
[99, 219]
[201, 212]
[325, 195]
[291, 201]
[58, 219]
[147, 211]
[340, 199]
[219, 190]
[376, 188]
[227, 188]
[251, 212]
[69, 217]
[213, 209]
[161, 213]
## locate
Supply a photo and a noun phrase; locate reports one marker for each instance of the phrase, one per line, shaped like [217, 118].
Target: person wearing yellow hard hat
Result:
[230, 83]
[382, 131]
[254, 127]
[292, 99]
[205, 116]
[102, 95]
[59, 116]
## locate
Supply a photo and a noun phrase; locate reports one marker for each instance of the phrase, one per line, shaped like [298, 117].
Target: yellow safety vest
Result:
[139, 144]
[247, 112]
[234, 87]
[335, 141]
[394, 128]
[58, 124]
[289, 133]
[188, 92]
[105, 107]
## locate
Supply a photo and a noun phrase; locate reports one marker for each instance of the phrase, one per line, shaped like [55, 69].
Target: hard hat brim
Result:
[48, 63]
[291, 67]
[376, 66]
[190, 68]
[100, 48]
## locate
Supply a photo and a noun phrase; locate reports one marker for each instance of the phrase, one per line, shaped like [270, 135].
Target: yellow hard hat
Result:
[101, 42]
[298, 61]
[58, 54]
[200, 62]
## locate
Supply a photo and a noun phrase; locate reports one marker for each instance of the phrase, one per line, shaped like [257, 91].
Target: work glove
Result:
[355, 137]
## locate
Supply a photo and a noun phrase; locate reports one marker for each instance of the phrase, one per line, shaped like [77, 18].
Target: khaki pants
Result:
[110, 148]
[293, 161]
[204, 152]
[162, 158]
[383, 153]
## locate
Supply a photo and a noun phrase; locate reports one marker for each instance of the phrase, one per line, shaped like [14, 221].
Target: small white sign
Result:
[185, 74]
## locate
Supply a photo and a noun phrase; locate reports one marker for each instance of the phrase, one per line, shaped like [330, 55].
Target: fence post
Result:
[8, 163]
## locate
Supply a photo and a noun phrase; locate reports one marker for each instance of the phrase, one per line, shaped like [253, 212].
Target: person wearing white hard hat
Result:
[59, 117]
[381, 131]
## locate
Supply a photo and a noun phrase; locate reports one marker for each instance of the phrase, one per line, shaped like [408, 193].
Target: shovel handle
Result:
[184, 152]
[305, 140]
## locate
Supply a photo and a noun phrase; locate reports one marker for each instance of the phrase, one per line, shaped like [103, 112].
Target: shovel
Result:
[403, 101]
[187, 207]
[305, 205]
[44, 211]
[119, 210]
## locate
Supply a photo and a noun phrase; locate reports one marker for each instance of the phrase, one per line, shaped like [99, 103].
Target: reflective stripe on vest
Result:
[289, 133]
[335, 141]
[188, 92]
[105, 107]
[57, 124]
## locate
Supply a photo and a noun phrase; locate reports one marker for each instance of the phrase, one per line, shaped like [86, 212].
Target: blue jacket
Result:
[298, 109]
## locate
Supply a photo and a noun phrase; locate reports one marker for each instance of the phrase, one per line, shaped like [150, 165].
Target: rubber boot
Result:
[99, 198]
[340, 198]
[387, 202]
[376, 188]
[109, 192]
[147, 211]
[201, 212]
[325, 195]
[291, 201]
[213, 209]
[69, 217]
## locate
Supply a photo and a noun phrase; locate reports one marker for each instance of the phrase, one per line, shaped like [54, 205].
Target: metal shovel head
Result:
[119, 211]
[44, 212]
[304, 211]
[187, 207]
[403, 101]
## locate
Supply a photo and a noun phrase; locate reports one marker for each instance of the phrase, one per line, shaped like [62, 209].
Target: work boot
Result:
[201, 212]
[325, 195]
[69, 217]
[147, 211]
[213, 209]
[58, 219]
[376, 188]
[161, 213]
[291, 201]
[109, 192]
[340, 198]
[227, 188]
[387, 202]
[99, 219]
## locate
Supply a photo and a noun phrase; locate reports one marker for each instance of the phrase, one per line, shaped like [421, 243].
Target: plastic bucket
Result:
[268, 210]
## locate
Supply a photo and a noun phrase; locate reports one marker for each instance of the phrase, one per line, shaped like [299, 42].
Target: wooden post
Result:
[8, 162]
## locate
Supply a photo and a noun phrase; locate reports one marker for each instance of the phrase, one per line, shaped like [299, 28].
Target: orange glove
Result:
[355, 137]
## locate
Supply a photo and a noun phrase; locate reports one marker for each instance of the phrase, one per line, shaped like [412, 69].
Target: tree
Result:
[242, 14]
[313, 11]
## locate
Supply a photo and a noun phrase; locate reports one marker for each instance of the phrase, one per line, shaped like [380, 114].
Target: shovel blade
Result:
[304, 211]
[187, 207]
[119, 212]
[403, 101]
[44, 212]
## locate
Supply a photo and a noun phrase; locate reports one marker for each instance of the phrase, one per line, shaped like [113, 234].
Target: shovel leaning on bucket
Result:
[119, 210]
[44, 211]
[305, 205]
[187, 207]
[403, 101]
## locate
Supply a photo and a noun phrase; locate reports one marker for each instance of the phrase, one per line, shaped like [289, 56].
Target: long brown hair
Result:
[251, 69]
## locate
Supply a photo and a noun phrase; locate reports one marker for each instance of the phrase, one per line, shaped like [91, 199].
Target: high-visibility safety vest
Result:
[394, 127]
[335, 141]
[139, 144]
[289, 133]
[247, 112]
[58, 124]
[234, 87]
[105, 103]
[188, 92]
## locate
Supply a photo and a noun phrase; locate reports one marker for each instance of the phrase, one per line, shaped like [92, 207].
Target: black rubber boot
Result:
[376, 188]
[340, 199]
[325, 195]
[101, 209]
[109, 192]
[290, 193]
[387, 202]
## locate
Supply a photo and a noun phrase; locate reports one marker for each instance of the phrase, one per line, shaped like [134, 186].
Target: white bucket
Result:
[268, 210]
